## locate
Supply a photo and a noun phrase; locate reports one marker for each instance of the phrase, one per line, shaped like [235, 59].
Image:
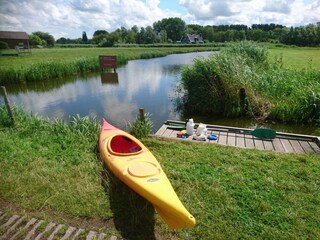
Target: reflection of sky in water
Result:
[144, 84]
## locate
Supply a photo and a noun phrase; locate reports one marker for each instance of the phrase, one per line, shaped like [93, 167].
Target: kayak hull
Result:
[135, 165]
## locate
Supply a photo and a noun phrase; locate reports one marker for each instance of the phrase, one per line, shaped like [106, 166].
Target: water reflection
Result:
[144, 84]
[147, 84]
[109, 78]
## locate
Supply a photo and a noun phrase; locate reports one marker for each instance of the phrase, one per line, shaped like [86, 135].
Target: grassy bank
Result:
[61, 62]
[233, 193]
[270, 89]
[296, 57]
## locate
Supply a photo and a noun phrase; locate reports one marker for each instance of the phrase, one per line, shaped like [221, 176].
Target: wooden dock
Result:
[241, 137]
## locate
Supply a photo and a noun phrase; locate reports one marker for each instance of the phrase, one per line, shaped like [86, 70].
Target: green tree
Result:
[84, 37]
[141, 35]
[46, 38]
[111, 39]
[150, 35]
[175, 27]
[34, 40]
[99, 36]
[208, 33]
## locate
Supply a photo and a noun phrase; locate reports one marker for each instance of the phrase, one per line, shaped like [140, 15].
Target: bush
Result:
[212, 86]
[141, 127]
[3, 45]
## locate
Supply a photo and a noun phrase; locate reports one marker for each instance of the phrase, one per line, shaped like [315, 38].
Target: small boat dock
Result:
[241, 137]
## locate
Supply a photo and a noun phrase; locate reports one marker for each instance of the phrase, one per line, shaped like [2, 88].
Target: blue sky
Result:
[69, 18]
[173, 5]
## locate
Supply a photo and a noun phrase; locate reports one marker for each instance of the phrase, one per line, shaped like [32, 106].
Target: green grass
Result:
[297, 57]
[233, 193]
[53, 63]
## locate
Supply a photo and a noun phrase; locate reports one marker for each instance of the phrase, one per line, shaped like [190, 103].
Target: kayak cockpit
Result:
[123, 145]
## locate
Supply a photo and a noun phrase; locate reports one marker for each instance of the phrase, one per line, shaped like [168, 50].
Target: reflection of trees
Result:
[43, 86]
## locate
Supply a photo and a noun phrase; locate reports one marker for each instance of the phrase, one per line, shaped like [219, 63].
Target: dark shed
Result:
[14, 39]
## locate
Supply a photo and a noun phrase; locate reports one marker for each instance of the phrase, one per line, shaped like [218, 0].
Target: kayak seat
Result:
[122, 144]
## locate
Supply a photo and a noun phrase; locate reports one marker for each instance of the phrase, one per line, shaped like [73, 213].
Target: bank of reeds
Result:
[53, 69]
[56, 63]
[241, 81]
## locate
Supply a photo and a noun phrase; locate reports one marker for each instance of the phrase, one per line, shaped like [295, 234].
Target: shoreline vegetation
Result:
[50, 166]
[242, 80]
[54, 63]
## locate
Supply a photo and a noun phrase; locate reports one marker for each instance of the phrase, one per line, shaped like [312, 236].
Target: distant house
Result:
[192, 38]
[15, 39]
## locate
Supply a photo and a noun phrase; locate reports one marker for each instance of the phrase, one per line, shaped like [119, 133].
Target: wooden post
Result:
[7, 103]
[243, 101]
[141, 111]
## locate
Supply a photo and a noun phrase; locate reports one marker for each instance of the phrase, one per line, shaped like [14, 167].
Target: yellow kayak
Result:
[134, 164]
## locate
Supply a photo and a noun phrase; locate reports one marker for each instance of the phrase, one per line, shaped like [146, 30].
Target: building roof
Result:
[193, 37]
[13, 35]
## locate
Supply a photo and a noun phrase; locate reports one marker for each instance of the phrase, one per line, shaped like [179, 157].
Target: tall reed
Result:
[212, 86]
[141, 127]
[53, 69]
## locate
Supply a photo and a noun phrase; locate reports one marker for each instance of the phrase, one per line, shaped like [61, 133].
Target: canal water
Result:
[148, 84]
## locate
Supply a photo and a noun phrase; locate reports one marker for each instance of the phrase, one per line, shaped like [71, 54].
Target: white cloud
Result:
[71, 17]
[285, 12]
[279, 6]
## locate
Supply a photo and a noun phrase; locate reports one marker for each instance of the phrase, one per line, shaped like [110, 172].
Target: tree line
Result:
[171, 30]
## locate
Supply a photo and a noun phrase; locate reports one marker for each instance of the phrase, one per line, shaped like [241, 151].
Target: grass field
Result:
[51, 167]
[297, 57]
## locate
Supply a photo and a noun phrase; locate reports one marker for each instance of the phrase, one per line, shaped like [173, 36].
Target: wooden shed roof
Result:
[13, 35]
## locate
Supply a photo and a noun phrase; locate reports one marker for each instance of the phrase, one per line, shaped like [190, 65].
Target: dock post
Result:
[7, 103]
[141, 111]
[243, 101]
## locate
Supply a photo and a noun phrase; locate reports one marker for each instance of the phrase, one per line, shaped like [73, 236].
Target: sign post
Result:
[108, 62]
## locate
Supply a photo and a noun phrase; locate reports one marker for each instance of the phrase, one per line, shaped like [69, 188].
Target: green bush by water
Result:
[141, 128]
[212, 86]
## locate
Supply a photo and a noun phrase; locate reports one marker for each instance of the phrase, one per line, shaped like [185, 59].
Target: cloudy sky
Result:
[69, 18]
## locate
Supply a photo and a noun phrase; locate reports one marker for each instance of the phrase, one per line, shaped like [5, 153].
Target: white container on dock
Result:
[202, 129]
[190, 127]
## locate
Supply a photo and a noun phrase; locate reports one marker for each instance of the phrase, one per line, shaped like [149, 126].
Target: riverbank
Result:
[55, 63]
[242, 81]
[51, 167]
[50, 63]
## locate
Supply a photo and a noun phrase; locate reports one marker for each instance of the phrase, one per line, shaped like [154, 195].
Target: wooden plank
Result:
[296, 146]
[161, 130]
[258, 144]
[173, 134]
[231, 139]
[240, 142]
[306, 147]
[222, 138]
[167, 133]
[277, 145]
[287, 145]
[268, 145]
[315, 147]
[249, 141]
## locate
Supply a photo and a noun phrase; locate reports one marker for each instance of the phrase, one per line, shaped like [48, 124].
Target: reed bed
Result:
[53, 69]
[269, 90]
